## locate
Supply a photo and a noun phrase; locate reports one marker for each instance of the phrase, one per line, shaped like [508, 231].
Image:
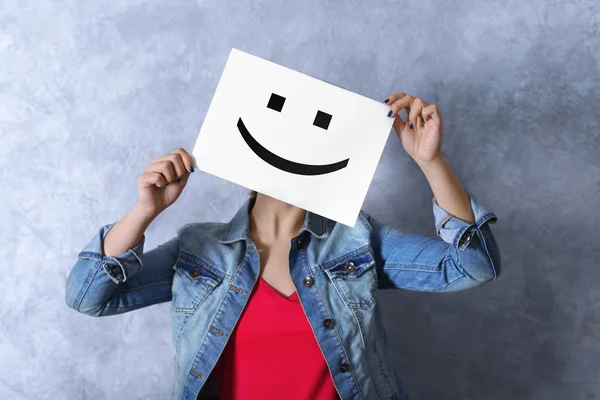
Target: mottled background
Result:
[91, 91]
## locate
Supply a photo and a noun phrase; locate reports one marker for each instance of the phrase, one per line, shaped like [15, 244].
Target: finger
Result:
[401, 103]
[148, 179]
[187, 158]
[431, 112]
[393, 97]
[184, 179]
[176, 161]
[164, 167]
[415, 110]
[419, 123]
[399, 125]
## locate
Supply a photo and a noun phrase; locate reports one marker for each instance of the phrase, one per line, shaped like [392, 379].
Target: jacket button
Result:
[195, 272]
[300, 243]
[308, 281]
[328, 323]
[114, 270]
[465, 240]
[344, 367]
[349, 266]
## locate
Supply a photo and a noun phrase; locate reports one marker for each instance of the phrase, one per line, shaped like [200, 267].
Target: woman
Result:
[280, 303]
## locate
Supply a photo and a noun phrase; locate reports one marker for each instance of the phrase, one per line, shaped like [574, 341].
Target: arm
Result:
[114, 275]
[447, 189]
[464, 255]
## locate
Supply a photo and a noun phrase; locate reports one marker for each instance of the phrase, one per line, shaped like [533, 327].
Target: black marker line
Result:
[283, 164]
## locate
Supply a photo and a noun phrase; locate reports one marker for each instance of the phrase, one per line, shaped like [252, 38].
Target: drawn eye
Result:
[276, 102]
[322, 120]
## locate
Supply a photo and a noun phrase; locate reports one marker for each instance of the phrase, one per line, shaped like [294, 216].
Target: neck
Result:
[272, 219]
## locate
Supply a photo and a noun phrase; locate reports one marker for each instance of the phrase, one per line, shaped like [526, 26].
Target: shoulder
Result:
[199, 238]
[206, 230]
[347, 236]
[364, 221]
[201, 242]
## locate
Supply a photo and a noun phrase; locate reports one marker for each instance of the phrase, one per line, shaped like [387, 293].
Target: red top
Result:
[272, 352]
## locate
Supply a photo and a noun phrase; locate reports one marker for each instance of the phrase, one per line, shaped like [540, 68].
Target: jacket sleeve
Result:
[462, 255]
[107, 285]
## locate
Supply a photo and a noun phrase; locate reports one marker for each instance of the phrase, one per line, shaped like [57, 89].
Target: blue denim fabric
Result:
[208, 270]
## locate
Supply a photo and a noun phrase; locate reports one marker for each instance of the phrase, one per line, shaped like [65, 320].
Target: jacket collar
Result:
[238, 228]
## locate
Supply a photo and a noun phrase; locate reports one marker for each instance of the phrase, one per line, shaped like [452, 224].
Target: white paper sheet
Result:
[323, 168]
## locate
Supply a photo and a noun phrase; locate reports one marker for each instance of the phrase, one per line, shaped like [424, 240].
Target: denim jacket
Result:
[209, 269]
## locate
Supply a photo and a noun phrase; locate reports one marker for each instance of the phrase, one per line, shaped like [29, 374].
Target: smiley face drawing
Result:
[293, 137]
[322, 120]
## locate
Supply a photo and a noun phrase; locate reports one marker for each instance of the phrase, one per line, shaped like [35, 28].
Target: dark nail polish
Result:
[386, 101]
[178, 179]
[411, 125]
[191, 168]
[390, 113]
[422, 120]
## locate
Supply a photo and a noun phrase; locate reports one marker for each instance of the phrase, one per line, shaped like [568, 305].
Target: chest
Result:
[275, 267]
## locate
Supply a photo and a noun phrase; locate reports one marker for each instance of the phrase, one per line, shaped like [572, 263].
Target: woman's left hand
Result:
[421, 133]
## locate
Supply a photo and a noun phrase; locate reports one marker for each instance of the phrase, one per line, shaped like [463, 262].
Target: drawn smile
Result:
[284, 164]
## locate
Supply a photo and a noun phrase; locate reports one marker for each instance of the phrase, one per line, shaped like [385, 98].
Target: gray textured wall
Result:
[91, 91]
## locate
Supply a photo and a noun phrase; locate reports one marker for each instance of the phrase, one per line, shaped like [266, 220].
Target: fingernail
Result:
[411, 125]
[390, 113]
[386, 101]
[178, 179]
[422, 119]
[191, 168]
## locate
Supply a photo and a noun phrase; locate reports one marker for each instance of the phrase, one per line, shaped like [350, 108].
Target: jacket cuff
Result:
[118, 267]
[456, 231]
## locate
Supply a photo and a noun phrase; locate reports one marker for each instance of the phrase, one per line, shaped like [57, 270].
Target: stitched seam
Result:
[364, 342]
[226, 232]
[323, 266]
[340, 341]
[381, 368]
[361, 327]
[89, 254]
[488, 254]
[155, 283]
[364, 268]
[415, 269]
[344, 294]
[451, 282]
[86, 287]
[353, 304]
[415, 266]
[202, 263]
[340, 291]
[443, 221]
[181, 331]
[117, 306]
[197, 300]
[441, 288]
[219, 311]
[209, 280]
[365, 220]
[104, 266]
[139, 259]
[487, 217]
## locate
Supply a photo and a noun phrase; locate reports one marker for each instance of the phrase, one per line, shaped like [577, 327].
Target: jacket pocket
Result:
[354, 278]
[192, 283]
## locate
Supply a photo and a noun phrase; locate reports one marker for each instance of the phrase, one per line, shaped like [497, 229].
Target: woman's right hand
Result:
[163, 180]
